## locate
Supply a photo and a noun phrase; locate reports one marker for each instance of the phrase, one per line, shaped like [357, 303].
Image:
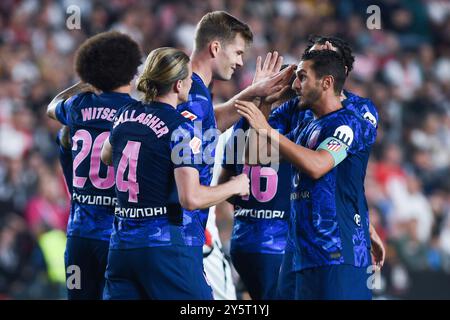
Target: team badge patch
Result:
[189, 115]
[195, 145]
[334, 145]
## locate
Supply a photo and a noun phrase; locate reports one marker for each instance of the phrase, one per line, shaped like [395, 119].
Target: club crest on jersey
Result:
[189, 115]
[195, 145]
[334, 145]
[312, 141]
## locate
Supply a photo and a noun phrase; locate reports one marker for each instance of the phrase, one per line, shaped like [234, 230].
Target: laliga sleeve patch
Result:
[336, 148]
[195, 145]
[188, 115]
[371, 118]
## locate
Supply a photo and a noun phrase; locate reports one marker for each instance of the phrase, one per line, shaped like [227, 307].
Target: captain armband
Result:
[336, 148]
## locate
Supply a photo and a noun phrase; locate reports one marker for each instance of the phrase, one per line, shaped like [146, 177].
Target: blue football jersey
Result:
[331, 221]
[149, 141]
[89, 117]
[287, 117]
[199, 109]
[365, 108]
[260, 219]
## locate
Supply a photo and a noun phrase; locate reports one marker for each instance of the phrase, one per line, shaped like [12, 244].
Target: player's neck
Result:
[326, 105]
[201, 67]
[123, 89]
[170, 99]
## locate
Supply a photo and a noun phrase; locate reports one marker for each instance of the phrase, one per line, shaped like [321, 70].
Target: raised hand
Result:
[254, 116]
[273, 84]
[378, 251]
[272, 65]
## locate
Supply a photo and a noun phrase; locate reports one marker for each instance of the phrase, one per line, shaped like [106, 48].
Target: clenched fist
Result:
[242, 185]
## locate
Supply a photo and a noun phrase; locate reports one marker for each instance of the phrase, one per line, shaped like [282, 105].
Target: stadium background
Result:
[404, 68]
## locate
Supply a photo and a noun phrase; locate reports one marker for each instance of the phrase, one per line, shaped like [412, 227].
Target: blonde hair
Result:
[163, 67]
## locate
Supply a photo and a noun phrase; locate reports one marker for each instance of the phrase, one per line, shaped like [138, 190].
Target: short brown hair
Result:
[221, 26]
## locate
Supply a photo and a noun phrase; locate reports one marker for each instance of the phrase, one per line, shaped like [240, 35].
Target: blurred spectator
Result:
[48, 209]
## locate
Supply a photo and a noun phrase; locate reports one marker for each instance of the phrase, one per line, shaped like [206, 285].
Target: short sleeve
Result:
[195, 110]
[62, 110]
[369, 112]
[235, 146]
[186, 146]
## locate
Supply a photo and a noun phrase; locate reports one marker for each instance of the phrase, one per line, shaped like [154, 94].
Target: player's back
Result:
[89, 117]
[260, 219]
[145, 185]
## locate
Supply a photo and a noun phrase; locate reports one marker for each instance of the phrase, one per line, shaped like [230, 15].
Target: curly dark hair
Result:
[108, 60]
[343, 48]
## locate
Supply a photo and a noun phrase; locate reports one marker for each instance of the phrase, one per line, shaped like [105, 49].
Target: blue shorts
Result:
[162, 273]
[90, 256]
[287, 277]
[335, 282]
[259, 273]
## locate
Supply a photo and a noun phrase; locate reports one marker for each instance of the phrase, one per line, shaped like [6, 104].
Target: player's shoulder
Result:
[363, 106]
[133, 104]
[287, 107]
[170, 115]
[199, 104]
[199, 92]
[349, 126]
[80, 100]
[347, 120]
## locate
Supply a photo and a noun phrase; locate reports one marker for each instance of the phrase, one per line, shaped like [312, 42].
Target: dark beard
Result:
[306, 101]
[302, 106]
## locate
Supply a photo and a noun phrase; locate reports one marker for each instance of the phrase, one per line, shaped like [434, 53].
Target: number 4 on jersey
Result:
[129, 160]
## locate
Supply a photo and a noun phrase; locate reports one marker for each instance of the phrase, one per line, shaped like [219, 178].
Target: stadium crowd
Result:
[404, 67]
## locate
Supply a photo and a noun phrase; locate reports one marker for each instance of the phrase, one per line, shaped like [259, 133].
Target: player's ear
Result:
[327, 82]
[214, 48]
[177, 86]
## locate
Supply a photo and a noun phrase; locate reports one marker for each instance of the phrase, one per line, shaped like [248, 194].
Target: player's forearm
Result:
[226, 114]
[66, 94]
[204, 197]
[65, 137]
[313, 163]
